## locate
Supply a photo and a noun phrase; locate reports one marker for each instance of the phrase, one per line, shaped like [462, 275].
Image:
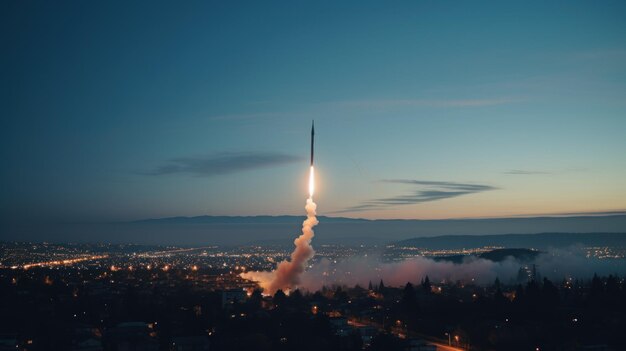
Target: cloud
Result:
[224, 163]
[524, 172]
[448, 185]
[429, 191]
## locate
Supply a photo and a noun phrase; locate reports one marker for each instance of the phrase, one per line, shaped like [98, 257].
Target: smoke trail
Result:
[287, 274]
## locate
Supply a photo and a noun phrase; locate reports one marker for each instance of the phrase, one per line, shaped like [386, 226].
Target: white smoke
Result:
[555, 265]
[363, 270]
[287, 274]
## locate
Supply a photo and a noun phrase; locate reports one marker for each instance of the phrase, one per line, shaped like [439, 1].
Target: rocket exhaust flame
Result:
[311, 182]
[287, 274]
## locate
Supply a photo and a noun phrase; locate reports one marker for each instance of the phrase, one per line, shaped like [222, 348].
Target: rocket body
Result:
[312, 141]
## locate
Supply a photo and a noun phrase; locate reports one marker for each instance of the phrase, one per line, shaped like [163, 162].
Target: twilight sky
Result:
[426, 109]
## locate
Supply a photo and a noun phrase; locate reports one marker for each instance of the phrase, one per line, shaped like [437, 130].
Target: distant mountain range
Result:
[541, 240]
[282, 229]
[241, 230]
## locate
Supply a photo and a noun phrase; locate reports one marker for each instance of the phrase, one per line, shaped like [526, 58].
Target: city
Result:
[355, 175]
[113, 297]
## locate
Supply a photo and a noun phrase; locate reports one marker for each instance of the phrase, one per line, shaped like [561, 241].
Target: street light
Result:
[449, 341]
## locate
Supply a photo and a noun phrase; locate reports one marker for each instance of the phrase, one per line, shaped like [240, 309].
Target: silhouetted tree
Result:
[550, 295]
[296, 300]
[596, 286]
[381, 287]
[409, 304]
[426, 284]
[317, 296]
[279, 298]
[612, 285]
[496, 284]
[255, 300]
[340, 295]
[519, 294]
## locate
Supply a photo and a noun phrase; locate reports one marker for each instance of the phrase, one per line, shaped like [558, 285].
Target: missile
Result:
[312, 140]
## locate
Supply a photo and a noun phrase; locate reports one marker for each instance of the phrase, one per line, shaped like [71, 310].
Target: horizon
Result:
[548, 215]
[244, 230]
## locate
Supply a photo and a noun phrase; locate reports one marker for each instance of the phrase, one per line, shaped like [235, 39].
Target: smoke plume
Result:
[287, 274]
[555, 264]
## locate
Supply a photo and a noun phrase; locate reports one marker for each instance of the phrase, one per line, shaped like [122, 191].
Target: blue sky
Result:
[423, 109]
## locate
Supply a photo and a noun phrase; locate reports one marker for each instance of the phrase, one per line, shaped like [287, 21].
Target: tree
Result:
[381, 286]
[596, 286]
[409, 303]
[426, 285]
[496, 284]
[296, 295]
[519, 294]
[296, 300]
[612, 285]
[550, 294]
[279, 298]
[256, 299]
[340, 295]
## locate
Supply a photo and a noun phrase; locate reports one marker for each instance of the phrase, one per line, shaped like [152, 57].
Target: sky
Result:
[116, 111]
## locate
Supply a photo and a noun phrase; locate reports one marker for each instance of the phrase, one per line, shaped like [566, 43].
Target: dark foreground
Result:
[65, 308]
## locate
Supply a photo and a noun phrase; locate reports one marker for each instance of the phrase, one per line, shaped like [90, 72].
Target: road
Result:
[444, 347]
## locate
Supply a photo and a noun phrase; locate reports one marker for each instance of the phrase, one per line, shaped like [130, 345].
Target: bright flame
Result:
[311, 182]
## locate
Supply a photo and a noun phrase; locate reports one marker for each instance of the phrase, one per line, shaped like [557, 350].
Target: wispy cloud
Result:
[524, 172]
[224, 163]
[427, 191]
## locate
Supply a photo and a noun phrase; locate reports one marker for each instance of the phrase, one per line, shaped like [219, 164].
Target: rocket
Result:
[312, 140]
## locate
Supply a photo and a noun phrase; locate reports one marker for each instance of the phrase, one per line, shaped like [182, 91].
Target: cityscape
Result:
[123, 296]
[366, 175]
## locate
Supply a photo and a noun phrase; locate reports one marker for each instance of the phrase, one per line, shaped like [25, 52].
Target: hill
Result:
[242, 230]
[541, 240]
